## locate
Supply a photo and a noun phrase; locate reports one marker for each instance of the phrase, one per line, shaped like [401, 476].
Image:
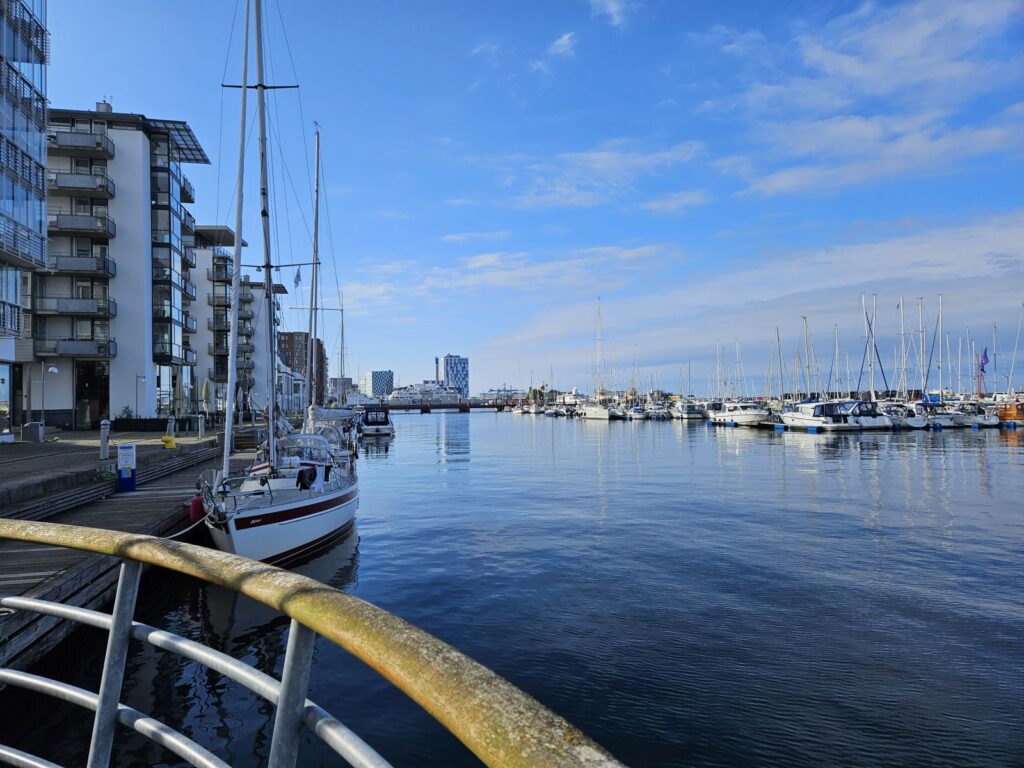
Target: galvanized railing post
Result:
[113, 665]
[291, 704]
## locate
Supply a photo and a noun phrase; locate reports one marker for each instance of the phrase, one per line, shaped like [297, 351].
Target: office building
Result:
[378, 383]
[294, 351]
[114, 311]
[456, 373]
[24, 56]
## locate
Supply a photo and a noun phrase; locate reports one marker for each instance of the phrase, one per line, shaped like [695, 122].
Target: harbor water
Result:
[687, 596]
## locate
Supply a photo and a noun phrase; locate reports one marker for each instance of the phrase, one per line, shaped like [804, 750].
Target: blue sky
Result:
[711, 170]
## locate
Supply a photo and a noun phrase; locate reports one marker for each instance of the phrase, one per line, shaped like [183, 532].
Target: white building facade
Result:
[115, 311]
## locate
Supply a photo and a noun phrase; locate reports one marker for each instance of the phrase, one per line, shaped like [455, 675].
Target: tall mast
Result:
[903, 350]
[872, 352]
[807, 356]
[782, 365]
[920, 353]
[1013, 358]
[940, 348]
[229, 405]
[310, 355]
[268, 277]
[995, 364]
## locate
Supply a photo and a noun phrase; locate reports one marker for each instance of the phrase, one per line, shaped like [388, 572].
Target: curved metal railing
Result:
[502, 725]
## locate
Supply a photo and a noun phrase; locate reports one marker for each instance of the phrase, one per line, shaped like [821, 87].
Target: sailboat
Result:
[594, 408]
[302, 492]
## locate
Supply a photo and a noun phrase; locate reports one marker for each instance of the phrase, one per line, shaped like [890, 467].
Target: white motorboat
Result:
[936, 414]
[905, 416]
[740, 413]
[375, 421]
[658, 412]
[596, 411]
[975, 414]
[688, 410]
[833, 416]
[867, 414]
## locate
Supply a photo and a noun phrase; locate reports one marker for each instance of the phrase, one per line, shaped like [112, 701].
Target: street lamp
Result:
[138, 379]
[42, 392]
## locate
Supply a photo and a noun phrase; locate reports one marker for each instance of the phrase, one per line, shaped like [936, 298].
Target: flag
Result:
[298, 276]
[983, 360]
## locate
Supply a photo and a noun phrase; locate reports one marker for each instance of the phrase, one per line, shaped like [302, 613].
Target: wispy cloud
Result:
[388, 214]
[614, 10]
[876, 93]
[593, 177]
[677, 203]
[467, 237]
[565, 45]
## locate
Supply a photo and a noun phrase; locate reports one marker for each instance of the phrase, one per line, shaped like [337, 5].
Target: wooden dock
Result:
[158, 508]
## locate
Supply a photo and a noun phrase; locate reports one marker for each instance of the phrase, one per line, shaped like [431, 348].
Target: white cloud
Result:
[466, 237]
[876, 93]
[485, 260]
[593, 177]
[386, 214]
[979, 266]
[615, 10]
[677, 203]
[565, 45]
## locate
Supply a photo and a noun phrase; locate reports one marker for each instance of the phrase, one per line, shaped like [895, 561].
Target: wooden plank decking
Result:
[158, 508]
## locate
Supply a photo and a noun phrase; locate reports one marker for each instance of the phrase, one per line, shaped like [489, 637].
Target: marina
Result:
[696, 596]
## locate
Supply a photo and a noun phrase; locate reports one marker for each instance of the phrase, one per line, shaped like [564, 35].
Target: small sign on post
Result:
[126, 467]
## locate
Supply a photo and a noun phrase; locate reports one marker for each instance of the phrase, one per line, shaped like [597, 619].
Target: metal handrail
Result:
[501, 724]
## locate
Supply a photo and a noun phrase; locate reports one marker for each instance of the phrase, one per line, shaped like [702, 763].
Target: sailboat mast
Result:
[268, 278]
[807, 356]
[872, 351]
[229, 404]
[920, 353]
[940, 348]
[903, 350]
[310, 355]
[782, 367]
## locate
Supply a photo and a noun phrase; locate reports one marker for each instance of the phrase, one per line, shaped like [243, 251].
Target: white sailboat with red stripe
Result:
[301, 493]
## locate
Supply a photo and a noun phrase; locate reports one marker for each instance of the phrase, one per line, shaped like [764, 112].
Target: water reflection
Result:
[451, 438]
[376, 446]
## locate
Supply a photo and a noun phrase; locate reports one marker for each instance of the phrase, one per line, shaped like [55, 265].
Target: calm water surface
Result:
[687, 596]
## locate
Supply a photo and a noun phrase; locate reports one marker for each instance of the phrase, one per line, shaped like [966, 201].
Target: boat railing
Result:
[501, 724]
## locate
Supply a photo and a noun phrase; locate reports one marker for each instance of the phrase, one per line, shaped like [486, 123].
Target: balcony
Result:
[244, 365]
[79, 144]
[188, 257]
[218, 274]
[244, 314]
[217, 325]
[188, 221]
[190, 324]
[99, 348]
[245, 295]
[60, 222]
[189, 289]
[220, 373]
[188, 192]
[20, 246]
[174, 354]
[164, 312]
[71, 305]
[245, 346]
[218, 300]
[83, 184]
[216, 349]
[95, 266]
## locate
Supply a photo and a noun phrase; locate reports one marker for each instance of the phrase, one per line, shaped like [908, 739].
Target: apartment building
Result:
[24, 55]
[293, 347]
[114, 312]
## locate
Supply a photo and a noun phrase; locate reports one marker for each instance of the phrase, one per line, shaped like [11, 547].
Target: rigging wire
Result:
[220, 124]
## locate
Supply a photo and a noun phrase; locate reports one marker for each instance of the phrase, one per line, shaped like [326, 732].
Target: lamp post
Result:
[138, 379]
[42, 392]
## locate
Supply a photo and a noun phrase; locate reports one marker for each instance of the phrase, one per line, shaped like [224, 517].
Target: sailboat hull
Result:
[290, 528]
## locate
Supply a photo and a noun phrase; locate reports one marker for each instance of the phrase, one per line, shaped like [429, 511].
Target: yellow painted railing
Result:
[501, 724]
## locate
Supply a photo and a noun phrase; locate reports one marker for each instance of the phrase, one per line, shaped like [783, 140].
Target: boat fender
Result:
[196, 511]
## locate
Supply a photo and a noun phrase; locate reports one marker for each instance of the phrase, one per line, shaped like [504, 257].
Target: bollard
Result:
[170, 426]
[104, 439]
[202, 425]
